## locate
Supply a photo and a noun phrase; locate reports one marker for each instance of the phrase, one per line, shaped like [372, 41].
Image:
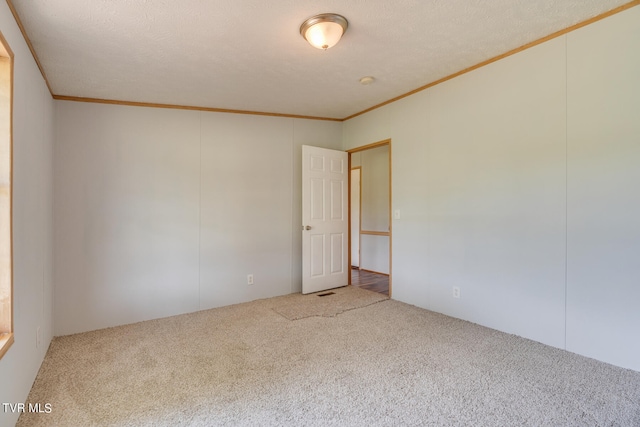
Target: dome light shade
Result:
[324, 31]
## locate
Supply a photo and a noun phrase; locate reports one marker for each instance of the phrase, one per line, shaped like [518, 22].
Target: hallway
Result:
[369, 280]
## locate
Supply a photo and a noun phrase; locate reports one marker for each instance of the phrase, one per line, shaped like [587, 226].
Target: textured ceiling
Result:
[249, 55]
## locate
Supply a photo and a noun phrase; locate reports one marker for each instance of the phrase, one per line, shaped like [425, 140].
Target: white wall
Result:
[375, 188]
[160, 212]
[127, 214]
[603, 146]
[517, 184]
[32, 221]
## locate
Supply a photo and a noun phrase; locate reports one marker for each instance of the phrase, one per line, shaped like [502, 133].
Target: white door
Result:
[325, 218]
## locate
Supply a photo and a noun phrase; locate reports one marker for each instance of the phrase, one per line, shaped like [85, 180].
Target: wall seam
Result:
[293, 208]
[200, 213]
[45, 234]
[566, 182]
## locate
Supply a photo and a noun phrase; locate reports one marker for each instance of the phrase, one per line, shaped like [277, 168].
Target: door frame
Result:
[356, 150]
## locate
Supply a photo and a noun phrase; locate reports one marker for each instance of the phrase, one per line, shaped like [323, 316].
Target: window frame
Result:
[6, 205]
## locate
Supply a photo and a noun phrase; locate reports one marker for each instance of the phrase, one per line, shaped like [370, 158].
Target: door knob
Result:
[307, 227]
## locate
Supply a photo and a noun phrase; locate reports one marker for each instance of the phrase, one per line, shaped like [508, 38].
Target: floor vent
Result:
[326, 293]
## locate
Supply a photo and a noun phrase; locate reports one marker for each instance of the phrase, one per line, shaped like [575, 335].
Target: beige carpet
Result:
[385, 364]
[327, 303]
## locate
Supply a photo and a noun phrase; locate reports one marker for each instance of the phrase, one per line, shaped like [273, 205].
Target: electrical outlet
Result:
[456, 292]
[396, 214]
[250, 279]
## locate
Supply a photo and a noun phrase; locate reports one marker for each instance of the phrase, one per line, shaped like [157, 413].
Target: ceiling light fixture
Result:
[325, 30]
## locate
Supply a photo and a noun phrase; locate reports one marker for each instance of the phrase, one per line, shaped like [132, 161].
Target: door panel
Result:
[324, 219]
[337, 200]
[317, 199]
[337, 246]
[317, 255]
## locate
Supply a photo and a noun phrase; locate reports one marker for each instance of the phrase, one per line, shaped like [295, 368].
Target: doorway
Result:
[355, 198]
[370, 217]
